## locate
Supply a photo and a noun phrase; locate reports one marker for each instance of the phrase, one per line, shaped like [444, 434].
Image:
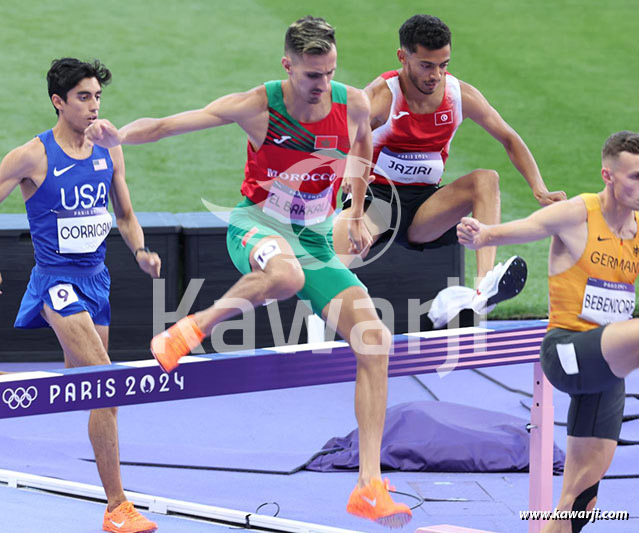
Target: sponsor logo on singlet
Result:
[400, 115]
[58, 172]
[282, 139]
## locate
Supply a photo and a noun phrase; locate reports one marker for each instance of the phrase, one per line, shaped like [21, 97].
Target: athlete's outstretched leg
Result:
[477, 192]
[352, 314]
[276, 275]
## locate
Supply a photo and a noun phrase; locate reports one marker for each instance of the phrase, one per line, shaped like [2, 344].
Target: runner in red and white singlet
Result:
[415, 113]
[412, 148]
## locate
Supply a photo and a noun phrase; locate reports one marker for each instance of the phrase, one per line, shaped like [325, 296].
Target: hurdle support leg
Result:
[315, 327]
[541, 448]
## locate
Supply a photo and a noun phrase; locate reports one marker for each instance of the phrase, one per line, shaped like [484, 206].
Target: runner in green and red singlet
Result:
[300, 131]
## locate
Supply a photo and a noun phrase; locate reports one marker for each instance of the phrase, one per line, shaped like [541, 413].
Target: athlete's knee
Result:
[287, 278]
[92, 355]
[340, 233]
[625, 338]
[486, 181]
[283, 273]
[371, 341]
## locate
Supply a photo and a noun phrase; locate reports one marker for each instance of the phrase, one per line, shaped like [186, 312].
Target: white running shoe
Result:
[504, 281]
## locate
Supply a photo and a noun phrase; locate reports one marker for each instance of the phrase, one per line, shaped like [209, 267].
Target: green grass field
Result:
[563, 74]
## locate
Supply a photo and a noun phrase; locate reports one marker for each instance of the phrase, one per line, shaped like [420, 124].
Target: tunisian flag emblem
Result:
[444, 117]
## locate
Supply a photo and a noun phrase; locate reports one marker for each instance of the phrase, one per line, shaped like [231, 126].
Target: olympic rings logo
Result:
[21, 397]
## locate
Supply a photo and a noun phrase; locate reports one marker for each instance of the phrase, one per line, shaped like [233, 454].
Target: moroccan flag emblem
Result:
[326, 142]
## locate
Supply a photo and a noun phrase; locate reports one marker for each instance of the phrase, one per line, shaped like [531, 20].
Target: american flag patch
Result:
[99, 164]
[444, 117]
[326, 142]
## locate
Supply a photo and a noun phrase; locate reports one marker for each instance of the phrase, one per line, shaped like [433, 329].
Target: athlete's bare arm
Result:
[249, 110]
[477, 108]
[25, 165]
[381, 100]
[563, 220]
[358, 167]
[22, 166]
[128, 223]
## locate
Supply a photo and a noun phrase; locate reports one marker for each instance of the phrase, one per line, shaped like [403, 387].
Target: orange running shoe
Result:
[126, 519]
[169, 346]
[373, 502]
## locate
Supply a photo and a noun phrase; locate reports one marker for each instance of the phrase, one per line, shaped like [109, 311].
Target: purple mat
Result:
[441, 437]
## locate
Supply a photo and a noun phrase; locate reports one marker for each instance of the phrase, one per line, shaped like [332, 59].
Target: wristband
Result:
[143, 249]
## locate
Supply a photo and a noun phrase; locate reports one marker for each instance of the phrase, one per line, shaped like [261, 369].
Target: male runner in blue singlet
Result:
[66, 183]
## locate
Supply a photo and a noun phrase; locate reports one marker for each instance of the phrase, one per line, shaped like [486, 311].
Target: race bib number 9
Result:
[410, 167]
[62, 295]
[607, 301]
[83, 230]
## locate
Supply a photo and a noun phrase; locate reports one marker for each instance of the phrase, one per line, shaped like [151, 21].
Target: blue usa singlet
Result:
[68, 213]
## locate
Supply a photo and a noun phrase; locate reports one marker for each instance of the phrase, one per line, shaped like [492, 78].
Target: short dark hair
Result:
[309, 35]
[67, 72]
[622, 141]
[427, 30]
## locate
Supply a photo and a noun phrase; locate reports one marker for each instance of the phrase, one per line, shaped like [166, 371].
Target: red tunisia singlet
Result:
[412, 148]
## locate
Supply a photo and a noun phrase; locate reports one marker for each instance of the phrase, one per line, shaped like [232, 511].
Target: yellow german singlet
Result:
[599, 288]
